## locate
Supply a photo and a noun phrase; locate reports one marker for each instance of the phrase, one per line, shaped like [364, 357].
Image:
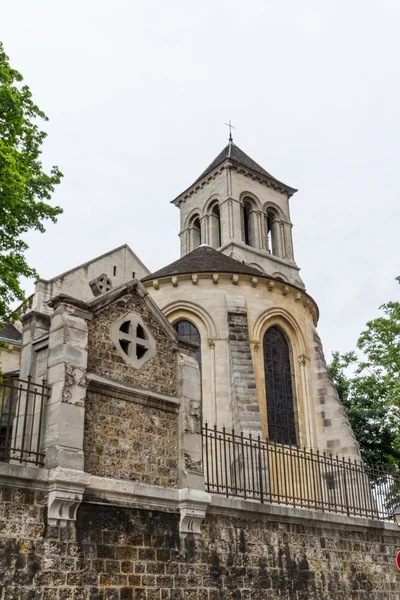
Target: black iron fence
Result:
[21, 411]
[249, 467]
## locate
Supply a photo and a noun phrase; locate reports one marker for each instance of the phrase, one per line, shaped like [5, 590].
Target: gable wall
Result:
[76, 283]
[158, 374]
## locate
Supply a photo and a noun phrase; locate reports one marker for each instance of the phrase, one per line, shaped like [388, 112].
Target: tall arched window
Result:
[215, 227]
[279, 384]
[272, 233]
[249, 227]
[188, 331]
[195, 232]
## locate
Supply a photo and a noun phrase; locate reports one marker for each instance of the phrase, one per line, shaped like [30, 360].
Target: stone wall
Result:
[130, 441]
[244, 402]
[158, 374]
[116, 553]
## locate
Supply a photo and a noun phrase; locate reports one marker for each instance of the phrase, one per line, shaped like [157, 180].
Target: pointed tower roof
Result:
[204, 259]
[233, 154]
[236, 155]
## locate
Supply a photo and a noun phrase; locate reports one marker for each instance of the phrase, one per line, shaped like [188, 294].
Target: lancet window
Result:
[188, 331]
[215, 226]
[279, 385]
[249, 233]
[272, 226]
[195, 232]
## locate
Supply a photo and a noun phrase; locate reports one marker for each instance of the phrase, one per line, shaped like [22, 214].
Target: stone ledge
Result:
[126, 391]
[31, 477]
[127, 493]
[237, 507]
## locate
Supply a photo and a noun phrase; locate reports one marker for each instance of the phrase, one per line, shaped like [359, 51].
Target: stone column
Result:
[63, 425]
[282, 240]
[225, 214]
[288, 241]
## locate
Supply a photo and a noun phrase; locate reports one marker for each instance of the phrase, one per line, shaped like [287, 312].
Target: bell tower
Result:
[238, 208]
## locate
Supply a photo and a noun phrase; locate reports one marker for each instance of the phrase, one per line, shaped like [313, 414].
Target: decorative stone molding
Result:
[174, 281]
[62, 507]
[215, 277]
[235, 279]
[195, 279]
[285, 290]
[270, 285]
[192, 507]
[100, 285]
[253, 281]
[302, 360]
[156, 284]
[297, 297]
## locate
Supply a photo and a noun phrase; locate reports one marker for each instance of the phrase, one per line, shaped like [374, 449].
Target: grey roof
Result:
[235, 154]
[9, 332]
[241, 159]
[204, 259]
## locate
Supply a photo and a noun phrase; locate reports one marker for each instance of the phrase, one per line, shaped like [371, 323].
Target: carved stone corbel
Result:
[66, 488]
[63, 506]
[192, 507]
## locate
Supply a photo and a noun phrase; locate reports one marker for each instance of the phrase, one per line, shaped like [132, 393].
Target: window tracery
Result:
[279, 385]
[133, 340]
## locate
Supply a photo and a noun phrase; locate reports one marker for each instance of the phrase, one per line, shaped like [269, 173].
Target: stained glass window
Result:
[279, 387]
[188, 331]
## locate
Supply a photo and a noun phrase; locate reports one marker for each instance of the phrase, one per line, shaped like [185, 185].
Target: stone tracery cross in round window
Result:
[133, 340]
[101, 285]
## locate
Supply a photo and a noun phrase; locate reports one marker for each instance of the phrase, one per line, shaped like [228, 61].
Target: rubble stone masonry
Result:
[130, 441]
[158, 374]
[115, 553]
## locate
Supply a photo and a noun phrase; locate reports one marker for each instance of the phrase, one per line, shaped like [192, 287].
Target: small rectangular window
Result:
[133, 274]
[115, 271]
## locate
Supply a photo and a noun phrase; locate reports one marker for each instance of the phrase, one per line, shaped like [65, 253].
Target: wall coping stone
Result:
[238, 507]
[132, 393]
[129, 493]
[68, 487]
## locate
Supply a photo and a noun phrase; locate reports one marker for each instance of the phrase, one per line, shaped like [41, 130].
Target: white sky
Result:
[138, 92]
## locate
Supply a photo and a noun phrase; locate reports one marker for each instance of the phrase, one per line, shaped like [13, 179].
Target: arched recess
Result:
[257, 266]
[279, 276]
[201, 318]
[195, 231]
[214, 225]
[274, 241]
[278, 317]
[250, 234]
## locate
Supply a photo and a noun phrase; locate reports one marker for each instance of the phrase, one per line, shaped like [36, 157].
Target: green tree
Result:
[371, 393]
[25, 188]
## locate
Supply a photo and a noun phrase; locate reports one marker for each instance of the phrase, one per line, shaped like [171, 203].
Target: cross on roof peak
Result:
[229, 124]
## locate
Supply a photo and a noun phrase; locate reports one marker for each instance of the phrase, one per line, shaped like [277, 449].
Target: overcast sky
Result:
[138, 92]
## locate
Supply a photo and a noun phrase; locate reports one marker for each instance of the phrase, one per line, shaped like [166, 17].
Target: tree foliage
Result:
[371, 394]
[25, 188]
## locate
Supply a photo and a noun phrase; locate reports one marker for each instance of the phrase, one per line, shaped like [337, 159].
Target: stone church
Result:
[176, 434]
